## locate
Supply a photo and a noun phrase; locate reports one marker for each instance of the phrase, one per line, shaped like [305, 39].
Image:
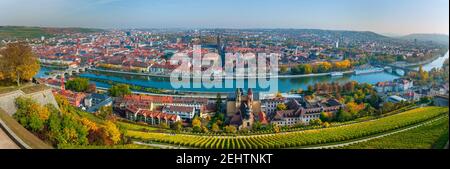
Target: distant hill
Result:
[437, 38]
[22, 32]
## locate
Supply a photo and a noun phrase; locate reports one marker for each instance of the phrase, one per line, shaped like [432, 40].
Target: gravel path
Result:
[163, 146]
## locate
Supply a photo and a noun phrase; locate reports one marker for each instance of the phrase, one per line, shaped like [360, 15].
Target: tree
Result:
[119, 90]
[230, 129]
[276, 128]
[257, 125]
[423, 75]
[279, 95]
[54, 126]
[315, 122]
[326, 116]
[324, 67]
[78, 84]
[342, 116]
[196, 122]
[215, 128]
[326, 124]
[204, 129]
[281, 106]
[91, 126]
[92, 88]
[354, 108]
[112, 132]
[283, 69]
[310, 88]
[219, 107]
[196, 129]
[18, 63]
[177, 126]
[387, 107]
[105, 112]
[374, 100]
[31, 115]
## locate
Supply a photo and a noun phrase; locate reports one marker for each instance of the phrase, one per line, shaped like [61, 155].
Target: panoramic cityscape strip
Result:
[188, 76]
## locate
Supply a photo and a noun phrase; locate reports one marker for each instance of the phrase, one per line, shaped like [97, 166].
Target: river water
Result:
[284, 84]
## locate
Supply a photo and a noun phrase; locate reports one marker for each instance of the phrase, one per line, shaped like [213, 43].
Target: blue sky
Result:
[382, 16]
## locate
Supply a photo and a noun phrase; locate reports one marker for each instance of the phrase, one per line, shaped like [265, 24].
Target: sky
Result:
[398, 17]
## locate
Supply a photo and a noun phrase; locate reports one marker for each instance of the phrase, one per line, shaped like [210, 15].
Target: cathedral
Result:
[243, 110]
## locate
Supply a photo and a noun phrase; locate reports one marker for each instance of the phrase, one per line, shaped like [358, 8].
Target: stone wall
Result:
[43, 97]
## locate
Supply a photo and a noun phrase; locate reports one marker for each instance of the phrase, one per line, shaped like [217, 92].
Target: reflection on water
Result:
[284, 84]
[435, 64]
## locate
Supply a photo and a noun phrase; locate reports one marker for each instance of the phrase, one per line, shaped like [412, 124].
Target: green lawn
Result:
[433, 135]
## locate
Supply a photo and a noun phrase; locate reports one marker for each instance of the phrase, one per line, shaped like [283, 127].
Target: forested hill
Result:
[437, 38]
[22, 32]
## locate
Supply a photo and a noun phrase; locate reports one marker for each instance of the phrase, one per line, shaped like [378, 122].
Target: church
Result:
[244, 110]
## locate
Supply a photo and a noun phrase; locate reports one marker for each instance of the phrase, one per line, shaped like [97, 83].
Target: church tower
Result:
[250, 98]
[238, 98]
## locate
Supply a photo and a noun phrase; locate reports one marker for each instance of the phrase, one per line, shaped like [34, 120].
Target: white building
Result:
[183, 111]
[395, 99]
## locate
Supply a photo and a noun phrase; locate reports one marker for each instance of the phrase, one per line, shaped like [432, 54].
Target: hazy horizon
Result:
[386, 17]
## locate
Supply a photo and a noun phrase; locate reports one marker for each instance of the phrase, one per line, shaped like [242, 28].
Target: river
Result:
[284, 84]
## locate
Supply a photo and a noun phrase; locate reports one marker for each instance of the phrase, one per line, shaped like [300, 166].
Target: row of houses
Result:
[398, 85]
[170, 109]
[151, 117]
[91, 102]
[302, 111]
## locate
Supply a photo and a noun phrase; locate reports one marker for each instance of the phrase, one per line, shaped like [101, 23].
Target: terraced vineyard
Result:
[300, 138]
[433, 135]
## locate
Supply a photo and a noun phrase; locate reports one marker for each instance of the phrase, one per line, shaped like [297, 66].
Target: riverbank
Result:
[436, 56]
[224, 77]
[286, 84]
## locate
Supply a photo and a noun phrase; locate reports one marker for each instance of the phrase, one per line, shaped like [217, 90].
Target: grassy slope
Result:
[433, 135]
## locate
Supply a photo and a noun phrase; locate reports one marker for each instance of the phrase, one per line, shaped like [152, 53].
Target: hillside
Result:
[21, 32]
[438, 38]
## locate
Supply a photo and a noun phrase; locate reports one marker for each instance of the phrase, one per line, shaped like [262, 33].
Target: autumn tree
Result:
[105, 112]
[326, 116]
[196, 125]
[112, 132]
[230, 129]
[281, 106]
[31, 115]
[18, 63]
[315, 122]
[78, 84]
[177, 126]
[215, 128]
[119, 90]
[283, 69]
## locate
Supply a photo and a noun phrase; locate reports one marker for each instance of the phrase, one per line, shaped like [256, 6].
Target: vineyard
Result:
[430, 137]
[296, 139]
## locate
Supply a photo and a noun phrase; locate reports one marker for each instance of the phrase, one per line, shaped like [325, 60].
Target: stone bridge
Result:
[394, 67]
[69, 71]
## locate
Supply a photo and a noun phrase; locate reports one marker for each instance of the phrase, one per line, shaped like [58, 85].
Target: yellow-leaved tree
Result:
[112, 132]
[18, 63]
